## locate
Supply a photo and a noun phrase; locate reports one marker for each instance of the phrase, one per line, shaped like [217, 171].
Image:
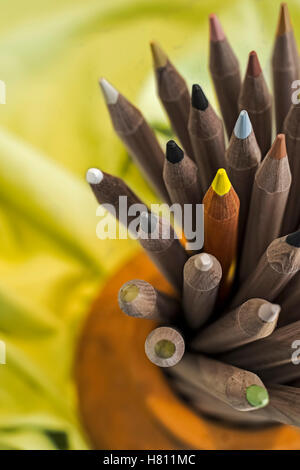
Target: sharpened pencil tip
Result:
[203, 262]
[199, 100]
[257, 396]
[278, 149]
[253, 68]
[109, 92]
[269, 312]
[174, 153]
[294, 239]
[160, 59]
[215, 28]
[221, 184]
[243, 127]
[284, 22]
[94, 176]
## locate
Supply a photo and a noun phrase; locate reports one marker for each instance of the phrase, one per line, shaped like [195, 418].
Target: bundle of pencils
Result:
[218, 335]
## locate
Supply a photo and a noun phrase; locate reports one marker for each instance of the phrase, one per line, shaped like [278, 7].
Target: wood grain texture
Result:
[256, 99]
[221, 215]
[238, 327]
[128, 404]
[175, 97]
[225, 72]
[140, 140]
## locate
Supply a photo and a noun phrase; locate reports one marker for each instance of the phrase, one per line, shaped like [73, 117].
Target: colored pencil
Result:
[207, 136]
[164, 346]
[221, 214]
[139, 299]
[243, 157]
[291, 219]
[238, 388]
[212, 407]
[158, 239]
[108, 189]
[268, 202]
[253, 320]
[289, 300]
[174, 95]
[181, 178]
[202, 275]
[268, 353]
[137, 136]
[256, 99]
[277, 266]
[285, 66]
[225, 72]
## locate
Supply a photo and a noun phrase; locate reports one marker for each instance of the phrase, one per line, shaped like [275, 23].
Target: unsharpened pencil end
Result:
[128, 293]
[215, 29]
[253, 68]
[243, 127]
[164, 346]
[294, 239]
[94, 176]
[203, 262]
[221, 184]
[174, 153]
[160, 59]
[109, 92]
[269, 313]
[257, 396]
[284, 22]
[278, 149]
[199, 100]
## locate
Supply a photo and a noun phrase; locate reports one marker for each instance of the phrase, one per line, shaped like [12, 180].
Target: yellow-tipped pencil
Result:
[221, 214]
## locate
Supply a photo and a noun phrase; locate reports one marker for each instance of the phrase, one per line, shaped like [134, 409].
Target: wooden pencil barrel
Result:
[125, 402]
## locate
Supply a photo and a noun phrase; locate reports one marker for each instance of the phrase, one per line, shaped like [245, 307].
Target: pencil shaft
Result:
[280, 374]
[284, 406]
[166, 252]
[225, 73]
[255, 98]
[182, 182]
[110, 191]
[221, 214]
[267, 353]
[223, 381]
[291, 220]
[210, 406]
[268, 202]
[175, 97]
[289, 300]
[207, 136]
[240, 326]
[140, 141]
[139, 299]
[277, 266]
[243, 157]
[200, 288]
[285, 67]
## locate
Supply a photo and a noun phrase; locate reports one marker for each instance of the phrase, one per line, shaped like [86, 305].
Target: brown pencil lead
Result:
[254, 68]
[160, 59]
[284, 23]
[215, 28]
[278, 149]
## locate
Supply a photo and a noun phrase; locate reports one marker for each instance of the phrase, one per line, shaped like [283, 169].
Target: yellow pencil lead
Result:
[221, 184]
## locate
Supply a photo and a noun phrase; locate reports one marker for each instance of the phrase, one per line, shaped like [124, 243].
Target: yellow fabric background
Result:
[53, 127]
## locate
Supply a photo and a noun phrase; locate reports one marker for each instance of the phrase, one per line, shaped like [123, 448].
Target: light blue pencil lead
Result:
[242, 128]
